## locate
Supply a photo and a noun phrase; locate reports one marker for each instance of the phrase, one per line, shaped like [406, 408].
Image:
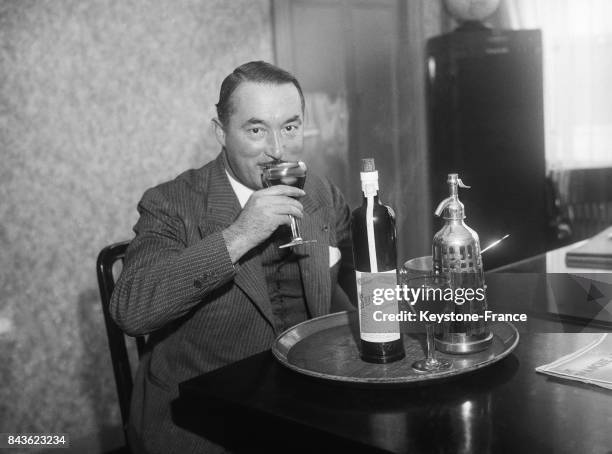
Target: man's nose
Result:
[275, 147]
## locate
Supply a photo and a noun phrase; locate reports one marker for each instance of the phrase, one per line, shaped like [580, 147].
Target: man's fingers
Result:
[276, 203]
[282, 189]
[284, 210]
[281, 202]
[296, 213]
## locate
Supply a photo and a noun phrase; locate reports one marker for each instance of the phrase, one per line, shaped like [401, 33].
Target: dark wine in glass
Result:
[297, 182]
[290, 173]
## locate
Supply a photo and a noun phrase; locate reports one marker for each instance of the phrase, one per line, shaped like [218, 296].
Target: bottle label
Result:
[375, 305]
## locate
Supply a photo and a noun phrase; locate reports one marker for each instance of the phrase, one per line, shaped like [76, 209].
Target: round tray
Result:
[327, 347]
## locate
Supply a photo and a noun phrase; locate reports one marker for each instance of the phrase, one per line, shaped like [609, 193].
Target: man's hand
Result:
[265, 210]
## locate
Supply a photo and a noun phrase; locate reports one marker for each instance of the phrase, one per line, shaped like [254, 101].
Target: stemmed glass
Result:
[430, 298]
[290, 173]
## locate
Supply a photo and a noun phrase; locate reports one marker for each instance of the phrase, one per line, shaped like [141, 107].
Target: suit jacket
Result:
[201, 312]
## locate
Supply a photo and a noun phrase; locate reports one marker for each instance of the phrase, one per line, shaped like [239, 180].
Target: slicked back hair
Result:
[254, 71]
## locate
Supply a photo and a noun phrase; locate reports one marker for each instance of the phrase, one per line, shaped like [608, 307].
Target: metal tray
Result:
[327, 347]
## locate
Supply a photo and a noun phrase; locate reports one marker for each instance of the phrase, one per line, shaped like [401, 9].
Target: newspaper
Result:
[591, 364]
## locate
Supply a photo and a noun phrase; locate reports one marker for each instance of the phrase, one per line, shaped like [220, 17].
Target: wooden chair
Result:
[108, 257]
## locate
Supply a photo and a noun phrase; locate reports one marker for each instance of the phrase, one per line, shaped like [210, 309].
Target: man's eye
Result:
[256, 132]
[291, 128]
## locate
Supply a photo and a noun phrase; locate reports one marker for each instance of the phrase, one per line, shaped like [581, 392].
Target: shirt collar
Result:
[242, 192]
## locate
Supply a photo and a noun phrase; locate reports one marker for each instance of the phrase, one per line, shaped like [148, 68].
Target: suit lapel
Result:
[314, 266]
[221, 210]
[223, 207]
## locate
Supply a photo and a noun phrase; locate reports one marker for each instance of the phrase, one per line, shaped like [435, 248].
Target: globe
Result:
[471, 10]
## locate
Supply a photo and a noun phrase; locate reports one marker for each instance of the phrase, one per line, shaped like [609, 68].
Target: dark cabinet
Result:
[486, 122]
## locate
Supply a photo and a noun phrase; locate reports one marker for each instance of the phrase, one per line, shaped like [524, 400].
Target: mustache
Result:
[271, 163]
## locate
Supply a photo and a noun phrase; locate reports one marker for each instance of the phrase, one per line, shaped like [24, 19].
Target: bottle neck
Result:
[369, 184]
[455, 221]
[369, 188]
[374, 198]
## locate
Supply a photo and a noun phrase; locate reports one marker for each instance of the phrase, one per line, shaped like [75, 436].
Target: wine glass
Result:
[290, 173]
[418, 266]
[430, 290]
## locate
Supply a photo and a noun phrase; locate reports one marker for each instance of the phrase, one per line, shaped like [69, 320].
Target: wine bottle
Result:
[375, 258]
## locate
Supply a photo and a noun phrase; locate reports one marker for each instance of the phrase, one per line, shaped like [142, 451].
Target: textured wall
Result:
[98, 101]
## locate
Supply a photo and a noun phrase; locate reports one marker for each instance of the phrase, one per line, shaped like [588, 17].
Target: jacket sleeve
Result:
[163, 278]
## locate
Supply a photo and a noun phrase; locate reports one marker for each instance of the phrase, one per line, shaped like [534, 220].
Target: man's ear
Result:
[219, 131]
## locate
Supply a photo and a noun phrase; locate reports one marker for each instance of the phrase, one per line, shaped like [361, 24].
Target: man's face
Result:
[265, 124]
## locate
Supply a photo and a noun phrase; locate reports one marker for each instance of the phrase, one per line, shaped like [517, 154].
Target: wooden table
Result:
[257, 405]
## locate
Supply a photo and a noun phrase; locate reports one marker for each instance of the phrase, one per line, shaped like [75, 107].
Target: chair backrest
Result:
[107, 258]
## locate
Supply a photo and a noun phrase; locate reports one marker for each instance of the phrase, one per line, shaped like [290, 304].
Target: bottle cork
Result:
[367, 165]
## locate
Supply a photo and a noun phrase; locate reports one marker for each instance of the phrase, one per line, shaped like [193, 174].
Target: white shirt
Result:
[242, 192]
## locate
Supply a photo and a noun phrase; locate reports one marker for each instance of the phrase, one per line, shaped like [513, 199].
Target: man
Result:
[204, 276]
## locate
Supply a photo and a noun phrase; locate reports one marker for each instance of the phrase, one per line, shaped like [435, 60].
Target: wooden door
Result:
[350, 59]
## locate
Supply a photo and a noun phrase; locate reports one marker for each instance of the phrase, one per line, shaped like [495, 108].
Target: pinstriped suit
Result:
[202, 312]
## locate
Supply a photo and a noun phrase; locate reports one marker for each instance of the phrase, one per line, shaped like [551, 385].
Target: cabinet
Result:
[486, 122]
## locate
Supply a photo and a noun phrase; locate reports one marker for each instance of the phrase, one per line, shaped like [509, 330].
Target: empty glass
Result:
[428, 292]
[418, 266]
